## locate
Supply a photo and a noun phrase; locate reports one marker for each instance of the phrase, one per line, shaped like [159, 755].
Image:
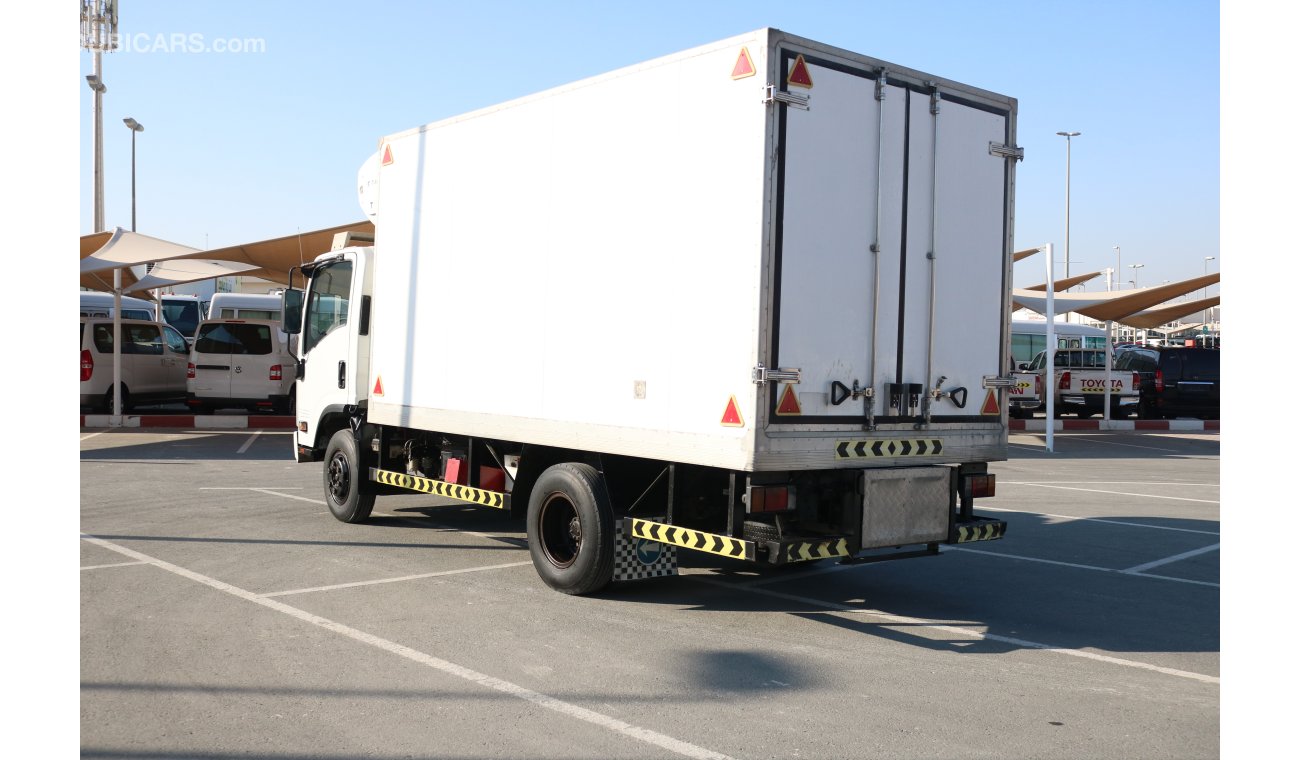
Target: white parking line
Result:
[1177, 557]
[396, 580]
[115, 564]
[1131, 571]
[1125, 523]
[601, 720]
[967, 632]
[1117, 493]
[249, 442]
[91, 435]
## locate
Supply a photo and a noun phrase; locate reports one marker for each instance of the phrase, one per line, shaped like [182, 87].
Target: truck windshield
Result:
[327, 304]
[183, 315]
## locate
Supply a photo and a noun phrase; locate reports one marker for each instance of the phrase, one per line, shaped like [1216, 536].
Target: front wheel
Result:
[571, 529]
[342, 476]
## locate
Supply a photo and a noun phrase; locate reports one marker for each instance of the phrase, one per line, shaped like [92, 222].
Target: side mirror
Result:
[291, 311]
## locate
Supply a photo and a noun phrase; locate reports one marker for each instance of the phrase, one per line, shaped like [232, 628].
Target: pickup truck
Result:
[1079, 383]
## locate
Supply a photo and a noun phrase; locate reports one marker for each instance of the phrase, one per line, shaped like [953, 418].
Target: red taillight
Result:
[277, 372]
[977, 486]
[1065, 381]
[189, 373]
[1038, 385]
[771, 498]
[1137, 382]
[87, 365]
[1160, 380]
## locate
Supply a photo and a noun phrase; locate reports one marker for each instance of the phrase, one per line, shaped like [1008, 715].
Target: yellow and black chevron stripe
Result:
[888, 447]
[693, 539]
[493, 499]
[985, 531]
[810, 550]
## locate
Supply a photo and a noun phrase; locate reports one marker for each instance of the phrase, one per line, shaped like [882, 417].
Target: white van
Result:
[244, 306]
[241, 363]
[97, 304]
[154, 359]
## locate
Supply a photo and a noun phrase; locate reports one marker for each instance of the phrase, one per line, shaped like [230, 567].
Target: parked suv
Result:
[1184, 382]
[154, 357]
[1141, 363]
[241, 363]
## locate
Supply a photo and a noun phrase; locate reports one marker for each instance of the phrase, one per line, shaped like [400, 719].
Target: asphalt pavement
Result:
[224, 613]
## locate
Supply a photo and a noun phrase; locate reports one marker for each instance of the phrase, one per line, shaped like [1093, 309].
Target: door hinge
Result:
[1006, 151]
[789, 98]
[763, 374]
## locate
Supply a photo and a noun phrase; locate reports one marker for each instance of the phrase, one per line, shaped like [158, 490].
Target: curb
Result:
[190, 421]
[1040, 426]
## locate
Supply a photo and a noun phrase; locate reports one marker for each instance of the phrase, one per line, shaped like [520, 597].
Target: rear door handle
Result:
[343, 374]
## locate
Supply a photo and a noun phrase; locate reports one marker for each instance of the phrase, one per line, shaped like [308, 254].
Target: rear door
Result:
[211, 358]
[891, 247]
[253, 353]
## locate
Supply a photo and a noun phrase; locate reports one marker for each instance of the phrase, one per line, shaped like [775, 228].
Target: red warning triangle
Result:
[744, 65]
[789, 405]
[799, 75]
[731, 417]
[990, 403]
[388, 155]
[379, 386]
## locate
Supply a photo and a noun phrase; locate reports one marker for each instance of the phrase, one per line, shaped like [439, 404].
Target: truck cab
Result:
[331, 319]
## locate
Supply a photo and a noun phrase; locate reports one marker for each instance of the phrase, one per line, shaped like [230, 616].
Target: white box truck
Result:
[751, 299]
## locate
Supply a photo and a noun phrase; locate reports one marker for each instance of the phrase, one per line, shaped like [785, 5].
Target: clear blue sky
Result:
[245, 146]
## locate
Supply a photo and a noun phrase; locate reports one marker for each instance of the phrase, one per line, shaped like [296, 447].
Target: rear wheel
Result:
[342, 476]
[571, 529]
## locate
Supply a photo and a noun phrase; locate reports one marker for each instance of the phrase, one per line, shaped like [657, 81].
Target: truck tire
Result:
[342, 476]
[571, 529]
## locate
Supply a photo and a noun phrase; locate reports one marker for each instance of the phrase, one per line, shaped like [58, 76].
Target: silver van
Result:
[154, 359]
[240, 363]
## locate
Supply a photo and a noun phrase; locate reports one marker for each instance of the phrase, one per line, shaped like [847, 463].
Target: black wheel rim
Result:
[560, 531]
[340, 478]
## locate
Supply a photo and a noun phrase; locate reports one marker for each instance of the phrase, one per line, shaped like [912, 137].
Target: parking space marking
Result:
[91, 435]
[115, 564]
[1103, 520]
[1086, 439]
[1113, 493]
[1167, 560]
[967, 632]
[396, 580]
[601, 720]
[1131, 571]
[249, 442]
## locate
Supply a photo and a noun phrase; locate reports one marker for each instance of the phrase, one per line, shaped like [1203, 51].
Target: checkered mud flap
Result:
[639, 558]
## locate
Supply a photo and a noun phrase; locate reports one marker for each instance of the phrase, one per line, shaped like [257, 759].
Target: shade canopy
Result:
[1151, 318]
[102, 252]
[1066, 283]
[1114, 305]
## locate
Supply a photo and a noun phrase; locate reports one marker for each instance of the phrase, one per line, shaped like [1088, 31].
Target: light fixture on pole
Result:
[1135, 268]
[1067, 136]
[135, 127]
[1117, 267]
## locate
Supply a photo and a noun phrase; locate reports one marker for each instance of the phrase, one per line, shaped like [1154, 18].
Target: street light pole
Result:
[1205, 293]
[1135, 268]
[135, 128]
[1067, 136]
